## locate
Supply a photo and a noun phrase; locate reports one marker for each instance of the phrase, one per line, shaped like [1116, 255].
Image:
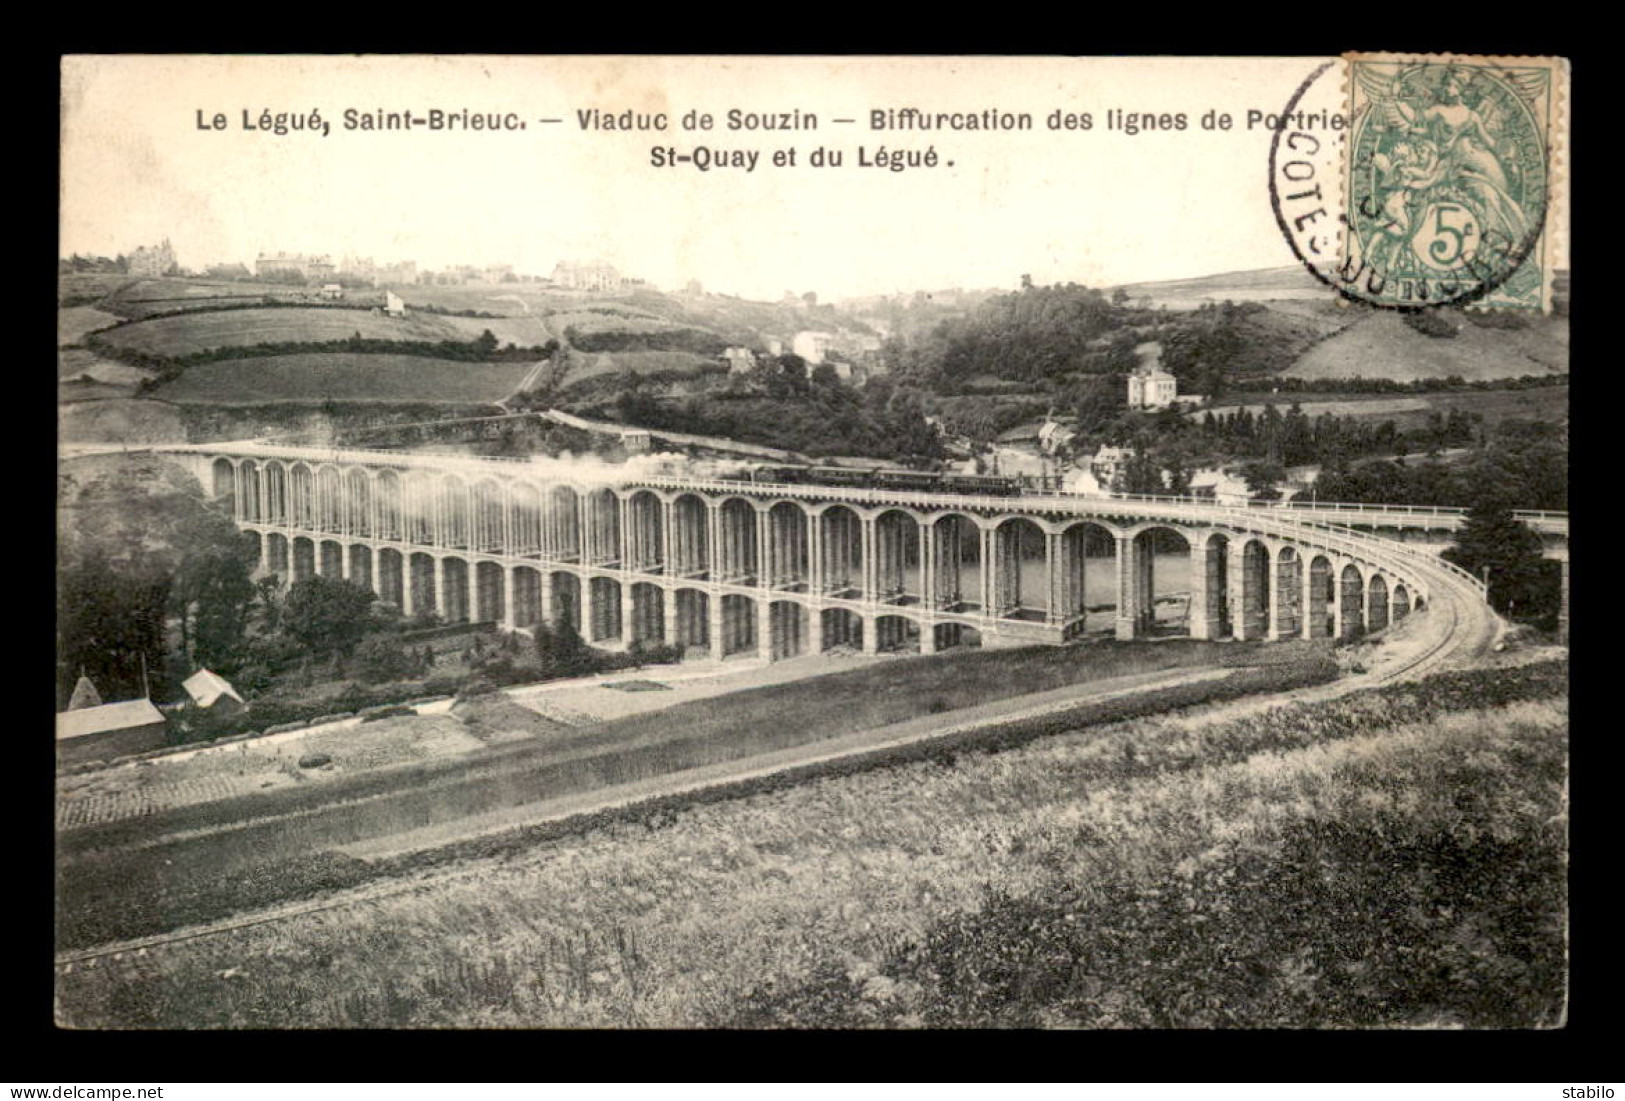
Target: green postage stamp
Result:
[1454, 180]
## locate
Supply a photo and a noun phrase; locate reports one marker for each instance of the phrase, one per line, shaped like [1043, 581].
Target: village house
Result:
[1109, 465]
[740, 361]
[332, 292]
[155, 261]
[109, 730]
[394, 305]
[812, 346]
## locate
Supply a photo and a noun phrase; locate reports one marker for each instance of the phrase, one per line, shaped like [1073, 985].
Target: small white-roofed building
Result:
[111, 730]
[213, 692]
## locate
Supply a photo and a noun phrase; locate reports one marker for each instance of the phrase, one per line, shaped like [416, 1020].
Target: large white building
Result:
[812, 346]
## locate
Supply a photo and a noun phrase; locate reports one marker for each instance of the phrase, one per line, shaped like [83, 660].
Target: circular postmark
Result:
[1432, 191]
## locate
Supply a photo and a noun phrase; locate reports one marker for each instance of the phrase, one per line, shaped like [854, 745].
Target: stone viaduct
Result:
[782, 570]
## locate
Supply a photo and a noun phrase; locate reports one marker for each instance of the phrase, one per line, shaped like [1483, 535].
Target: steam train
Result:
[918, 481]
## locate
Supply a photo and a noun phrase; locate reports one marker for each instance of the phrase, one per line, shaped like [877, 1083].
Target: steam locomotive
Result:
[918, 481]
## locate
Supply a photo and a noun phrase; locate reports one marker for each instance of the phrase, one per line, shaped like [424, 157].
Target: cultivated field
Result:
[344, 376]
[196, 332]
[585, 365]
[75, 362]
[1545, 403]
[1389, 859]
[73, 322]
[1382, 345]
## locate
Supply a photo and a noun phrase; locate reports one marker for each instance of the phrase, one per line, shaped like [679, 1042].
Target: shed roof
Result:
[109, 716]
[206, 687]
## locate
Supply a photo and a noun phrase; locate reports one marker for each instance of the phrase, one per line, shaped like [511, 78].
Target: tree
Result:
[1494, 544]
[381, 658]
[1261, 479]
[327, 614]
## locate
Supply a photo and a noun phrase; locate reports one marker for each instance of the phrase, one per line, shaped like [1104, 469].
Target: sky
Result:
[1099, 207]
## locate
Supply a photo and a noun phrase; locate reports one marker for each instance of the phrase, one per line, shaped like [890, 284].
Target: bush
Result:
[382, 658]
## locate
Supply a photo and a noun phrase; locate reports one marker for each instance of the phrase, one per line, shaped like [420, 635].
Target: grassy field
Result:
[73, 322]
[343, 376]
[1382, 345]
[132, 877]
[593, 364]
[197, 332]
[1544, 403]
[1390, 859]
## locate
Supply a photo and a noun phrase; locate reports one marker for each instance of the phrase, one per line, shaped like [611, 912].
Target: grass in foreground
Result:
[1393, 858]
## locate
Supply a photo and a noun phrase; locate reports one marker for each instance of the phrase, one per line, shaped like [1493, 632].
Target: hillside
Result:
[1382, 345]
[329, 376]
[1284, 283]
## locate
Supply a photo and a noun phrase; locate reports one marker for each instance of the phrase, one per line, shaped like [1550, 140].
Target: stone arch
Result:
[276, 555]
[1376, 612]
[454, 589]
[248, 477]
[1213, 615]
[1288, 604]
[387, 490]
[604, 611]
[418, 508]
[602, 535]
[527, 597]
[896, 634]
[693, 618]
[898, 564]
[1350, 602]
[391, 586]
[525, 520]
[1077, 584]
[425, 580]
[787, 629]
[841, 627]
[561, 524]
[690, 549]
[1401, 603]
[1161, 558]
[645, 532]
[956, 540]
[1020, 573]
[276, 493]
[789, 551]
[841, 552]
[360, 556]
[302, 497]
[223, 490]
[487, 503]
[736, 541]
[648, 607]
[454, 518]
[329, 499]
[330, 559]
[568, 613]
[1320, 607]
[304, 559]
[490, 593]
[738, 625]
[950, 636]
[1252, 620]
